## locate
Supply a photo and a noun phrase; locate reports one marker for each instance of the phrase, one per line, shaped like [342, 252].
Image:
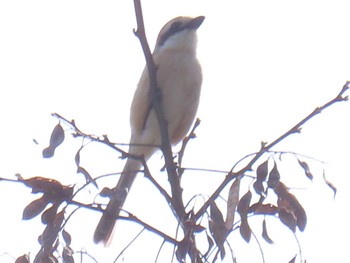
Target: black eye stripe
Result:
[174, 28]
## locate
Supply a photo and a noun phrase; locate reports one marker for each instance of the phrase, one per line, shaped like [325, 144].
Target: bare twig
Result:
[173, 177]
[187, 139]
[265, 147]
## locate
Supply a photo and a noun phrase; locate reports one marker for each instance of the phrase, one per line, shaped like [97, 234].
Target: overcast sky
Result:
[266, 65]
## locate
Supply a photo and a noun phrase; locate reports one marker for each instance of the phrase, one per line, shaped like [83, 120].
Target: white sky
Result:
[266, 65]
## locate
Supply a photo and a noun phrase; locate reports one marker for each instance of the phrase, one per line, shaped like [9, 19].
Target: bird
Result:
[179, 78]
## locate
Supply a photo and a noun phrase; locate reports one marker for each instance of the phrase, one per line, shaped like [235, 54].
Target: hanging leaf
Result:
[330, 185]
[264, 209]
[67, 255]
[57, 137]
[287, 201]
[274, 177]
[243, 204]
[182, 250]
[306, 168]
[210, 244]
[217, 228]
[261, 174]
[49, 215]
[23, 259]
[265, 235]
[42, 185]
[232, 202]
[288, 219]
[244, 229]
[294, 259]
[66, 236]
[77, 158]
[34, 208]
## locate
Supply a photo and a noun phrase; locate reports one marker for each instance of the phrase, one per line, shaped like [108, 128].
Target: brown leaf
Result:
[294, 259]
[67, 255]
[49, 215]
[53, 190]
[288, 219]
[244, 203]
[217, 227]
[43, 185]
[265, 235]
[261, 174]
[306, 168]
[106, 192]
[77, 158]
[51, 231]
[264, 209]
[182, 250]
[57, 137]
[330, 184]
[210, 244]
[274, 177]
[245, 230]
[287, 201]
[23, 259]
[34, 208]
[66, 237]
[232, 202]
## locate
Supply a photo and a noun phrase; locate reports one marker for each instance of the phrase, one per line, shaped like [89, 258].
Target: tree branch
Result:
[265, 147]
[173, 177]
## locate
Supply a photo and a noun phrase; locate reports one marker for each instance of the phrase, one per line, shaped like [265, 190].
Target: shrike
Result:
[179, 78]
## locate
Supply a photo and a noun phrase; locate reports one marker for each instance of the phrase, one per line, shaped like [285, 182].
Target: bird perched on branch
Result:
[179, 78]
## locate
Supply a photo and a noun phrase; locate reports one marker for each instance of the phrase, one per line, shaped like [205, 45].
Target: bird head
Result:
[179, 33]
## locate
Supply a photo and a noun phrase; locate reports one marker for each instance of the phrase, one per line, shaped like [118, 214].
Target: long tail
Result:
[107, 222]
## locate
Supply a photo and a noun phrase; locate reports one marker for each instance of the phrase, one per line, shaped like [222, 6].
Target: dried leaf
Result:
[210, 245]
[244, 202]
[264, 209]
[232, 202]
[67, 255]
[57, 137]
[43, 185]
[217, 226]
[34, 208]
[245, 230]
[23, 259]
[77, 158]
[261, 174]
[51, 231]
[182, 250]
[274, 177]
[288, 219]
[306, 168]
[294, 259]
[66, 237]
[107, 192]
[265, 235]
[330, 184]
[49, 215]
[287, 201]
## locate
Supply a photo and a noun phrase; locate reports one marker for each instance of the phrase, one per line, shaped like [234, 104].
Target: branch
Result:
[187, 139]
[265, 147]
[173, 177]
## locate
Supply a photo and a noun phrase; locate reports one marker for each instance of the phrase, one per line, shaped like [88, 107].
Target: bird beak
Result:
[195, 22]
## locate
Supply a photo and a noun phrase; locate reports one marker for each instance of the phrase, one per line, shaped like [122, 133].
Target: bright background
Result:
[266, 65]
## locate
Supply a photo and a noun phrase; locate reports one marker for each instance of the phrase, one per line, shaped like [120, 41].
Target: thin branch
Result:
[265, 147]
[155, 96]
[128, 245]
[187, 139]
